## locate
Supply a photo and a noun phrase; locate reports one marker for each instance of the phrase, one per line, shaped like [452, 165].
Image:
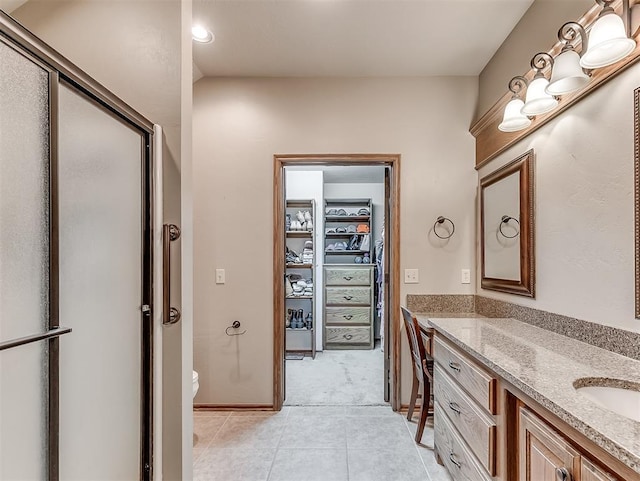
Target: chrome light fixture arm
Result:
[540, 61]
[569, 33]
[517, 84]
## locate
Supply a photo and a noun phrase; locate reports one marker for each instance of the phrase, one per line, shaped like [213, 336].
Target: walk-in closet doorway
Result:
[333, 278]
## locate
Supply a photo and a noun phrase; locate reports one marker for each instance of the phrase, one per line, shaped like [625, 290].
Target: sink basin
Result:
[615, 395]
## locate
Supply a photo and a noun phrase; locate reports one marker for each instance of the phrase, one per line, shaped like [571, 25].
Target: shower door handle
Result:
[170, 315]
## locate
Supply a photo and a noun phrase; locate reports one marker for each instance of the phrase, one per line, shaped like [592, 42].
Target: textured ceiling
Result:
[352, 38]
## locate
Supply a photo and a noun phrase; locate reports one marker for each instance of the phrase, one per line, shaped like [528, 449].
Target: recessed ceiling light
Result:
[201, 34]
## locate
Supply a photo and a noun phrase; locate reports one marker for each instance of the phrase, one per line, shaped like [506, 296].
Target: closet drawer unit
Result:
[347, 276]
[476, 427]
[476, 381]
[458, 460]
[348, 335]
[348, 315]
[348, 296]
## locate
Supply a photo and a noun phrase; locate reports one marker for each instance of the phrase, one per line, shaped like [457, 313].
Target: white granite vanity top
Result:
[544, 365]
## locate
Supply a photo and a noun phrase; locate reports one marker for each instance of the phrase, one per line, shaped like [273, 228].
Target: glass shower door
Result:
[75, 245]
[27, 252]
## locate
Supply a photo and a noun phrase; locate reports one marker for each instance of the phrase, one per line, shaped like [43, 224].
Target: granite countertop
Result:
[544, 365]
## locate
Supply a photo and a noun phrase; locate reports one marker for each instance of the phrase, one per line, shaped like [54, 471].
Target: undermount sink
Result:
[615, 395]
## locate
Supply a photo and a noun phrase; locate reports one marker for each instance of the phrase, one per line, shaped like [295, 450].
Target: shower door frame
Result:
[61, 70]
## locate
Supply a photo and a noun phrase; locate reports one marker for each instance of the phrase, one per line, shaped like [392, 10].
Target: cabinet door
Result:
[544, 455]
[590, 472]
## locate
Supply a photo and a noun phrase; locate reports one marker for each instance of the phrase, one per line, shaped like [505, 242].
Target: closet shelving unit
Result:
[348, 285]
[300, 340]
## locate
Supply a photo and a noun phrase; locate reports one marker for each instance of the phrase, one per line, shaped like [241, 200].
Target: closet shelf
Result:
[347, 218]
[329, 252]
[299, 233]
[299, 297]
[344, 234]
[299, 266]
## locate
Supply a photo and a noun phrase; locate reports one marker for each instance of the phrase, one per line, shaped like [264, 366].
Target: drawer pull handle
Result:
[452, 458]
[348, 317]
[348, 298]
[454, 365]
[454, 407]
[347, 278]
[347, 336]
[562, 474]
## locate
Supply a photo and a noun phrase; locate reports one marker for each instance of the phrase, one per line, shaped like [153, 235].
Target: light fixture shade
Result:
[567, 74]
[608, 42]
[201, 34]
[538, 101]
[513, 119]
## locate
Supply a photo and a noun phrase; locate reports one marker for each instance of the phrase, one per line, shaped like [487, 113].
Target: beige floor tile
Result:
[314, 432]
[249, 432]
[389, 431]
[234, 465]
[309, 465]
[379, 464]
[370, 411]
[283, 413]
[323, 411]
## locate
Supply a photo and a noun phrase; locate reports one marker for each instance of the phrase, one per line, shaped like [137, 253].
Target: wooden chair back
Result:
[416, 345]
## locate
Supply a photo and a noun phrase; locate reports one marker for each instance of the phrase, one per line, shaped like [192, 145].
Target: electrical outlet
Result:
[466, 276]
[411, 276]
[220, 276]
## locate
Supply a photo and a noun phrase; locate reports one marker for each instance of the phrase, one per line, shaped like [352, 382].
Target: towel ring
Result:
[235, 325]
[441, 220]
[505, 220]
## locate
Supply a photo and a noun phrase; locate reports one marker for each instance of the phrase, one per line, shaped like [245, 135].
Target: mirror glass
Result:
[507, 228]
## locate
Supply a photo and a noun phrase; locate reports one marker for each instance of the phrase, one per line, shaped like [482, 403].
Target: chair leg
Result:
[414, 395]
[424, 410]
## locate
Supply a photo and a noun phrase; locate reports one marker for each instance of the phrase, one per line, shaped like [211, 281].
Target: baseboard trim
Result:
[233, 407]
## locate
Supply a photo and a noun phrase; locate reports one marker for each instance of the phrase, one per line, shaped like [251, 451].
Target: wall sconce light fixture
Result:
[513, 119]
[538, 101]
[609, 40]
[567, 74]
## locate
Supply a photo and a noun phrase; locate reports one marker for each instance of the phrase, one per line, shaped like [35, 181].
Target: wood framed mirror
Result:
[507, 228]
[636, 157]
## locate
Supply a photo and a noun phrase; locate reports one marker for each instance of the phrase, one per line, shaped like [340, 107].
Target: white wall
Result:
[584, 208]
[305, 185]
[240, 123]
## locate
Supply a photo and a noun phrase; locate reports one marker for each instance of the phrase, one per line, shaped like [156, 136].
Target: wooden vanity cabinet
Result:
[544, 456]
[486, 429]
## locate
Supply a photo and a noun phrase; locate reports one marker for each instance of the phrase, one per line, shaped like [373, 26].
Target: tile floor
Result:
[312, 443]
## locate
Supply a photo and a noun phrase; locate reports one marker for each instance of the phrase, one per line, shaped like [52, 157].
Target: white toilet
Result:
[196, 384]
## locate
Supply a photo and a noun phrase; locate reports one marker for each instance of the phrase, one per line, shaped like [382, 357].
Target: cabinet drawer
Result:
[348, 296]
[347, 276]
[470, 376]
[476, 427]
[457, 458]
[348, 315]
[348, 335]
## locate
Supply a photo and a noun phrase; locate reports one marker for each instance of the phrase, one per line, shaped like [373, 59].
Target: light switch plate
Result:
[220, 276]
[466, 276]
[411, 276]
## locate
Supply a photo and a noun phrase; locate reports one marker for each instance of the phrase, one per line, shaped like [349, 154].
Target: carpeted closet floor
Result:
[351, 378]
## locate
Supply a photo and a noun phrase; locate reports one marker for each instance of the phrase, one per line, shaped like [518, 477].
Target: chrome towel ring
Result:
[440, 221]
[505, 220]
